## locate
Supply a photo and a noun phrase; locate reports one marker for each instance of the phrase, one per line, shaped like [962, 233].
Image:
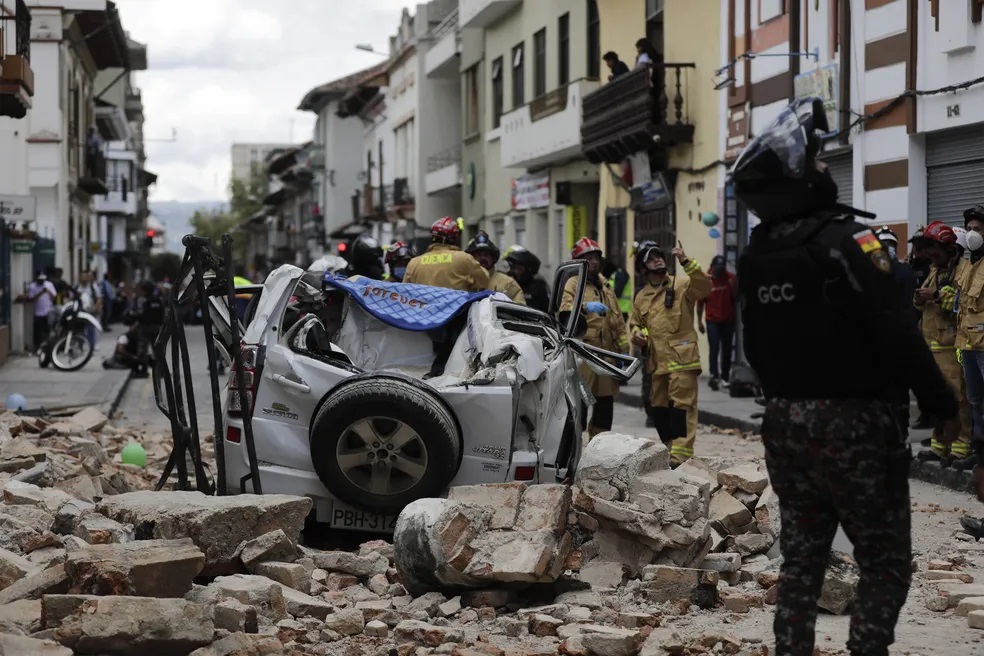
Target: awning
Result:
[316, 98]
[276, 198]
[105, 38]
[286, 159]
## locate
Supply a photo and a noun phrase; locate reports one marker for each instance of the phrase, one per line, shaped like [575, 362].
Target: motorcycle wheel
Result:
[71, 352]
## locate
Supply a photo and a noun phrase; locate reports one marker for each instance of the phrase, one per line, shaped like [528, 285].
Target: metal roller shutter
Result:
[841, 166]
[955, 172]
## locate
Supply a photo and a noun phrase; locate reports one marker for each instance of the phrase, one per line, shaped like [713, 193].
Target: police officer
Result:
[824, 332]
[524, 268]
[487, 254]
[936, 301]
[606, 330]
[398, 256]
[665, 308]
[621, 283]
[365, 258]
[444, 265]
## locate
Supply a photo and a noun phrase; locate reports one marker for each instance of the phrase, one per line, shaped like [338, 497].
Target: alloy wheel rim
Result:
[381, 456]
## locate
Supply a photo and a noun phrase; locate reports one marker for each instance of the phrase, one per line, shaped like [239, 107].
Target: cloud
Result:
[224, 71]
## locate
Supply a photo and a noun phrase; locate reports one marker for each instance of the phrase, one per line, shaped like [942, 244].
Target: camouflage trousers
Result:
[839, 462]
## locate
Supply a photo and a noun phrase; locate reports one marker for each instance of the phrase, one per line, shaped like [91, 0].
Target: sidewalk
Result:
[720, 410]
[52, 389]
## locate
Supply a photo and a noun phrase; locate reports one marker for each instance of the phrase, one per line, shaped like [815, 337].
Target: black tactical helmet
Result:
[366, 254]
[777, 176]
[522, 256]
[482, 242]
[642, 253]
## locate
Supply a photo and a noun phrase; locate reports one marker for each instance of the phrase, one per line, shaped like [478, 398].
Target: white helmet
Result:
[332, 263]
[961, 234]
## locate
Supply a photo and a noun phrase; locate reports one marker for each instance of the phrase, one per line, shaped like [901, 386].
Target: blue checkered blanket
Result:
[403, 305]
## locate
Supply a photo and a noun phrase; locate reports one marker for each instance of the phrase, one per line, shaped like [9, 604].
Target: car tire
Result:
[387, 427]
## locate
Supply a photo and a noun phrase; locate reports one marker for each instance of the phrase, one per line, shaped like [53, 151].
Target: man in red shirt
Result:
[720, 309]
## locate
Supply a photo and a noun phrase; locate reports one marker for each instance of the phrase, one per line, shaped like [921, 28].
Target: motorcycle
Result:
[68, 347]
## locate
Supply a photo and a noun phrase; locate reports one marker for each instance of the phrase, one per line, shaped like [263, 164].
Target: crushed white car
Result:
[340, 410]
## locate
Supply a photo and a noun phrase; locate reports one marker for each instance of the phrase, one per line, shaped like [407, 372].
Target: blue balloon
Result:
[16, 402]
[713, 233]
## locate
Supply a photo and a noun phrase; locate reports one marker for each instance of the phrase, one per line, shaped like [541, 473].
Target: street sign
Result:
[18, 208]
[22, 246]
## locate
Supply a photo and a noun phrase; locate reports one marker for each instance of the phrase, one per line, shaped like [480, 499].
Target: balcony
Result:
[441, 60]
[134, 105]
[444, 172]
[111, 122]
[547, 129]
[627, 116]
[119, 199]
[93, 177]
[483, 13]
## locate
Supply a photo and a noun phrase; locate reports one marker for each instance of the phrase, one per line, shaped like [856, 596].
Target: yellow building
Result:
[674, 137]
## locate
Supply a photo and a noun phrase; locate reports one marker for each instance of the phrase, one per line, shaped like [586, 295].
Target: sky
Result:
[224, 71]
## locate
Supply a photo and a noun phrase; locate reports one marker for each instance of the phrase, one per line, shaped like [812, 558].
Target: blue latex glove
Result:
[596, 307]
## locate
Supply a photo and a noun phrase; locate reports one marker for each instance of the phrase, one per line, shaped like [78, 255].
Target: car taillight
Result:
[233, 434]
[525, 473]
[249, 353]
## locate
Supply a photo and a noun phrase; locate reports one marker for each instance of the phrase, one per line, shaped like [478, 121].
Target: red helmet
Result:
[399, 250]
[447, 230]
[939, 232]
[584, 246]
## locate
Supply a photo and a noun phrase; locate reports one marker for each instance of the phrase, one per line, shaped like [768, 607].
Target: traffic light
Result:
[149, 240]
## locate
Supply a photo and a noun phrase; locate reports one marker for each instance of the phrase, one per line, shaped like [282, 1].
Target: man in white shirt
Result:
[92, 300]
[42, 293]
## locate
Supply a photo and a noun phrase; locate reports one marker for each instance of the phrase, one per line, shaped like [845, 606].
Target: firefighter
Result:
[936, 301]
[649, 368]
[606, 330]
[398, 256]
[666, 307]
[824, 331]
[524, 268]
[487, 254]
[444, 264]
[365, 258]
[970, 323]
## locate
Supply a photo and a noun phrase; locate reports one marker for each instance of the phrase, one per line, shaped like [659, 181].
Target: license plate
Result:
[346, 517]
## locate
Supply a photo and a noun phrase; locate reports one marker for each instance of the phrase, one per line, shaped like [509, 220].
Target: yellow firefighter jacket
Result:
[939, 320]
[970, 306]
[671, 330]
[500, 282]
[607, 332]
[444, 265]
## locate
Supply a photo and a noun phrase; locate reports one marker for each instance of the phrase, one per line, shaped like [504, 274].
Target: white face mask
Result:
[974, 240]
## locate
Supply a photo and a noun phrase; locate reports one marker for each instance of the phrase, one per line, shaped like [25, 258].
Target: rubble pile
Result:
[633, 559]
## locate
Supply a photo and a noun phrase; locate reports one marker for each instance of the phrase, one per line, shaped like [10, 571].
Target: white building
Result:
[71, 41]
[249, 157]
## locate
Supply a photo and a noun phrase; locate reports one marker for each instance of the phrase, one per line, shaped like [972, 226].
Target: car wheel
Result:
[380, 443]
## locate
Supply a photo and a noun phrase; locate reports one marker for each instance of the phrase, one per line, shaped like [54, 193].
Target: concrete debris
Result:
[348, 563]
[96, 529]
[272, 546]
[840, 584]
[235, 616]
[149, 568]
[767, 514]
[662, 583]
[241, 644]
[13, 568]
[15, 645]
[975, 619]
[747, 477]
[218, 525]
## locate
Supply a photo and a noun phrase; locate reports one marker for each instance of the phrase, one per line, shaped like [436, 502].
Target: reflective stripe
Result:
[960, 448]
[936, 346]
[676, 366]
[690, 267]
[681, 451]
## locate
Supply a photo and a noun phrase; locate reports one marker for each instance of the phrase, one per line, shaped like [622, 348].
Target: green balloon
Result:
[710, 219]
[134, 454]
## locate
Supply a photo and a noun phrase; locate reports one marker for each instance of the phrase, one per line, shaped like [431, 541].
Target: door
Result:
[954, 172]
[615, 246]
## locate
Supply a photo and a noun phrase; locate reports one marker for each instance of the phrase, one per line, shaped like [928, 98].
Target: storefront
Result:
[954, 172]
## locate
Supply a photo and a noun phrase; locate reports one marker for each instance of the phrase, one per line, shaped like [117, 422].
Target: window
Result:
[498, 93]
[519, 228]
[769, 9]
[471, 101]
[594, 40]
[518, 76]
[564, 49]
[540, 63]
[499, 231]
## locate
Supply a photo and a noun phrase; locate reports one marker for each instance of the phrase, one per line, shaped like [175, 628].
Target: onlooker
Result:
[42, 293]
[719, 307]
[130, 351]
[109, 297]
[646, 54]
[91, 298]
[616, 65]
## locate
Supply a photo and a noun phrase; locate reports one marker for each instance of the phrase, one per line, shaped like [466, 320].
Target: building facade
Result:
[250, 157]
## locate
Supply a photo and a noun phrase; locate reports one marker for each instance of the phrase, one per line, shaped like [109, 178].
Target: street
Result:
[139, 408]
